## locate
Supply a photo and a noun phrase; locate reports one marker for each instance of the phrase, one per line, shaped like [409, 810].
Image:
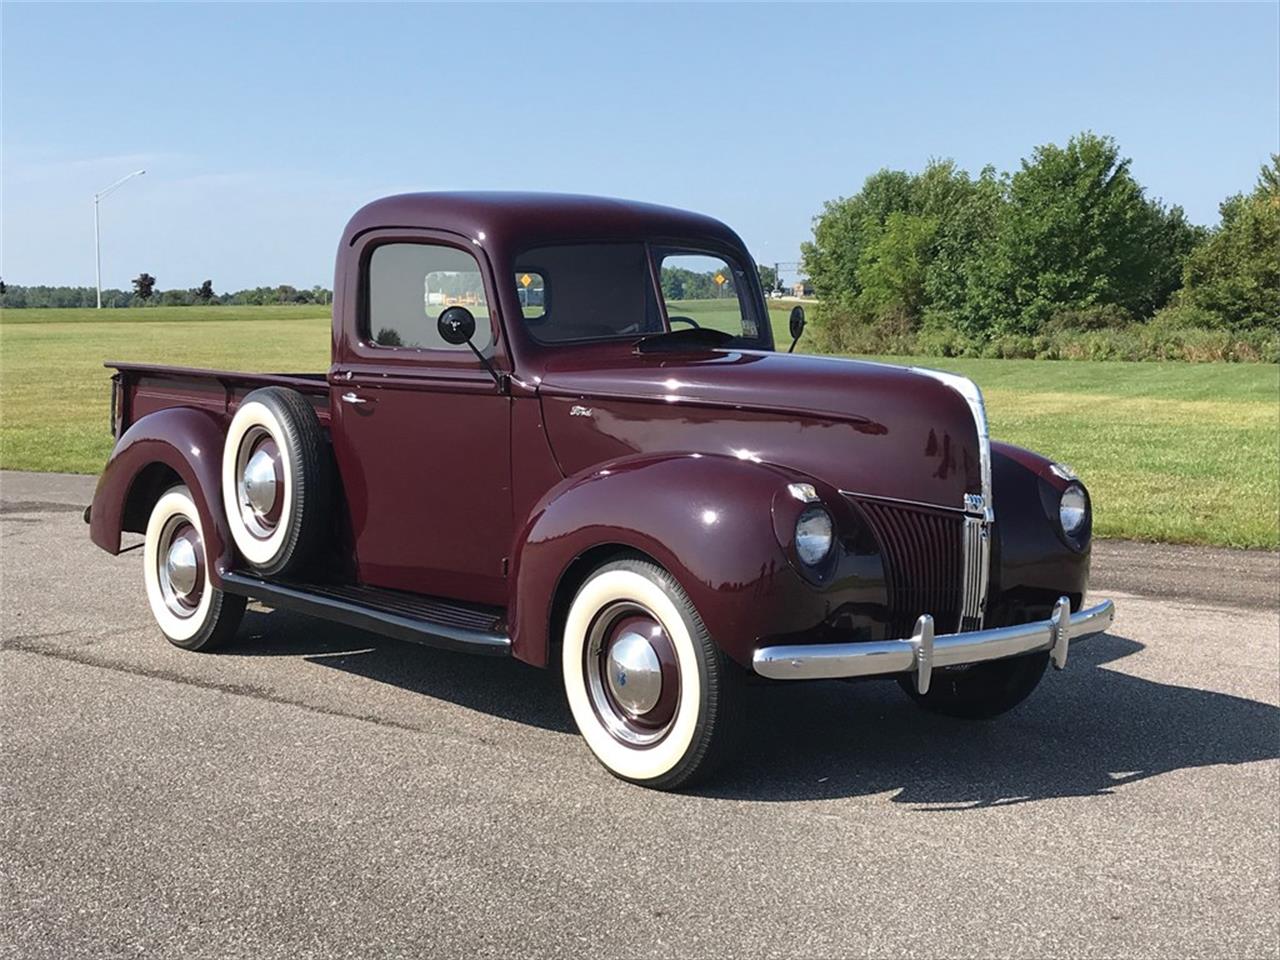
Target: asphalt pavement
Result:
[313, 791]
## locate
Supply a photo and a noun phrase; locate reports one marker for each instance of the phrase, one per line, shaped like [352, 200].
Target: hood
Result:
[865, 428]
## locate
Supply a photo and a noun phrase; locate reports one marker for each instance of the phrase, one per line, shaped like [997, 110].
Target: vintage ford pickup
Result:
[557, 428]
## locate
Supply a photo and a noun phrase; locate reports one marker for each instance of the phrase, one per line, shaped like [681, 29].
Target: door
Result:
[420, 429]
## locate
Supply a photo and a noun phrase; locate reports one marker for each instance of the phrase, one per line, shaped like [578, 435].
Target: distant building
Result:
[802, 289]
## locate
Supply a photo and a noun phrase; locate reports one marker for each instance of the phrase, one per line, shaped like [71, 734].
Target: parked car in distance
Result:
[559, 428]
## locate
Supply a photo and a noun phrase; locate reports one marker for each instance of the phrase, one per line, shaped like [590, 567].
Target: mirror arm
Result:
[500, 379]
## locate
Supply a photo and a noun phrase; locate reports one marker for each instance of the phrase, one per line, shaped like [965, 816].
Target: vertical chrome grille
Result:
[935, 561]
[977, 562]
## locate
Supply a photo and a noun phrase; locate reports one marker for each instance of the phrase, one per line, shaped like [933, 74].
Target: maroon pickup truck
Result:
[559, 428]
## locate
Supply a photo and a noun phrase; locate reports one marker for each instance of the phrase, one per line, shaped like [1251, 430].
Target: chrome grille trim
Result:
[977, 564]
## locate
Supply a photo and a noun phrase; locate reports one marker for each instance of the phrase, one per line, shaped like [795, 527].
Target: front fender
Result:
[708, 520]
[187, 441]
[1032, 564]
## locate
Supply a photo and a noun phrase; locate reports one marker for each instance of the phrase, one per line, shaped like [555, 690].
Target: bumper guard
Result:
[920, 653]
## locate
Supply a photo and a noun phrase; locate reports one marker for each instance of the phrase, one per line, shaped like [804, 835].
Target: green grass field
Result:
[1186, 453]
[1177, 452]
[54, 391]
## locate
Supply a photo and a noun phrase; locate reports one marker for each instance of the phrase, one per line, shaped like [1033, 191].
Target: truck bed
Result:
[143, 388]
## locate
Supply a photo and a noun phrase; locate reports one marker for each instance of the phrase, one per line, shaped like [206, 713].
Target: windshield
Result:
[603, 291]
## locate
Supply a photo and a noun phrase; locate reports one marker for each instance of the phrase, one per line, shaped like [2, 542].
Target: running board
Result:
[447, 624]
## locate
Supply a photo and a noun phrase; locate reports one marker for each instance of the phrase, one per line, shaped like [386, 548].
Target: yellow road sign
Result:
[720, 278]
[525, 280]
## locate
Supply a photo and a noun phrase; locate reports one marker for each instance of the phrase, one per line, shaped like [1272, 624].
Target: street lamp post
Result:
[97, 241]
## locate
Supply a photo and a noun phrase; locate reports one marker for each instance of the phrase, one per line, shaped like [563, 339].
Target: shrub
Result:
[1106, 316]
[942, 341]
[1011, 346]
[1183, 316]
[849, 329]
[1176, 333]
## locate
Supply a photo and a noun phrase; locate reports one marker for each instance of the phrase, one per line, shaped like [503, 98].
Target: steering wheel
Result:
[689, 320]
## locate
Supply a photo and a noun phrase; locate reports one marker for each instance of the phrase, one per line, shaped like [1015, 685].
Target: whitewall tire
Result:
[276, 481]
[654, 698]
[189, 610]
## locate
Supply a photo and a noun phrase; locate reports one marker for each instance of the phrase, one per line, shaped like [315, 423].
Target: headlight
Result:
[814, 535]
[1073, 510]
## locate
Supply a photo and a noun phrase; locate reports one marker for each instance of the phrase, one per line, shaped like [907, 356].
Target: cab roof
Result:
[515, 221]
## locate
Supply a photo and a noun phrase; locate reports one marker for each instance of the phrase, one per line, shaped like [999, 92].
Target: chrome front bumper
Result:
[923, 651]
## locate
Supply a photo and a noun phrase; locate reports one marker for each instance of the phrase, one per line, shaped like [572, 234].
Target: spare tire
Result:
[277, 482]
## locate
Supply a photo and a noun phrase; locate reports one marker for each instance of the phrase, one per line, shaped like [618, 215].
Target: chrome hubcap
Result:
[180, 567]
[634, 673]
[260, 482]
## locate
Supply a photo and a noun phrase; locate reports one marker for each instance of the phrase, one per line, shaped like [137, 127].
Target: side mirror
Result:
[795, 325]
[457, 325]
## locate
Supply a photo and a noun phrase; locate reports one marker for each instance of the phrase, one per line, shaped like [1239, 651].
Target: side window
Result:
[707, 291]
[410, 284]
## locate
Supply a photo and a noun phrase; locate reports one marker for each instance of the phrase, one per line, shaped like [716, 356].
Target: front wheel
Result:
[655, 699]
[191, 612]
[982, 691]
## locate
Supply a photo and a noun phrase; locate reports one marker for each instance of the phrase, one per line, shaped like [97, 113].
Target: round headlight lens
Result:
[1073, 510]
[814, 535]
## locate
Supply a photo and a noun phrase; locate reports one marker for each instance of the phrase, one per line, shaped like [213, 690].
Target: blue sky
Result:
[264, 126]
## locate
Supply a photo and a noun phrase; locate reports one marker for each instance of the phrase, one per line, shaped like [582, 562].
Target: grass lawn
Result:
[1177, 452]
[55, 393]
[724, 314]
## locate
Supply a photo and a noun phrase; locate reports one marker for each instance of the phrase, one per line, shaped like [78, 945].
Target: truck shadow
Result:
[500, 687]
[1085, 732]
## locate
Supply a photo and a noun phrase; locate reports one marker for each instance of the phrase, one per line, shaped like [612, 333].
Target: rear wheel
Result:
[191, 612]
[655, 699]
[983, 690]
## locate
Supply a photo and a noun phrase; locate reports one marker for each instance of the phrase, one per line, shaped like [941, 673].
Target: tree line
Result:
[1067, 250]
[679, 283]
[144, 293]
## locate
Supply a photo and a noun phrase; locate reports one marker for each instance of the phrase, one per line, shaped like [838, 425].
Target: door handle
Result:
[350, 397]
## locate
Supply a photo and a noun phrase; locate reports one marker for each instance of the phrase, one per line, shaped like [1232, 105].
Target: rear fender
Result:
[708, 520]
[188, 442]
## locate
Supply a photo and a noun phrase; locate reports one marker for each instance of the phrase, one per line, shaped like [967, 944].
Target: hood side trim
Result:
[977, 525]
[972, 395]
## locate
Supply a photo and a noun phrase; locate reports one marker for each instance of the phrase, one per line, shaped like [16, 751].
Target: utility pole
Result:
[97, 240]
